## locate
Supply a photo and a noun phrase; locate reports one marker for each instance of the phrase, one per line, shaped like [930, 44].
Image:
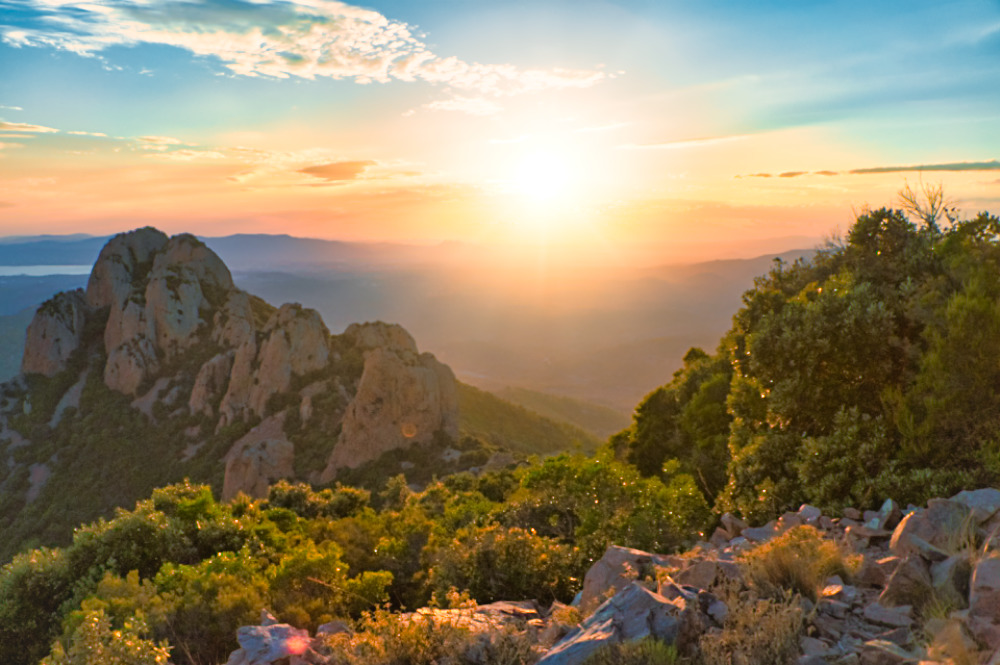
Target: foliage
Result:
[648, 651]
[756, 632]
[95, 643]
[799, 560]
[871, 370]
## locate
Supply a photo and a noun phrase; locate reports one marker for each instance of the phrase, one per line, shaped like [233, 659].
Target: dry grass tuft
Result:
[800, 560]
[757, 631]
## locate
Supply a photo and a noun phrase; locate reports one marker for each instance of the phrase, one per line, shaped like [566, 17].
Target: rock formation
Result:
[55, 333]
[403, 398]
[181, 340]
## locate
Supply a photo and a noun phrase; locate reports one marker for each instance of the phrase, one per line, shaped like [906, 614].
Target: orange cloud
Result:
[338, 171]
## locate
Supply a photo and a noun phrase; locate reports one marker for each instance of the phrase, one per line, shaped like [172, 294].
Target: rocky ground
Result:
[923, 586]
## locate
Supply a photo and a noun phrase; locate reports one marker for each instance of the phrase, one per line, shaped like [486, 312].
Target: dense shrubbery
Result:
[184, 569]
[872, 370]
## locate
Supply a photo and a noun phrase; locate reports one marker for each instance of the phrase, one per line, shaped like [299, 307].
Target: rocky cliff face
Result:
[170, 330]
[403, 398]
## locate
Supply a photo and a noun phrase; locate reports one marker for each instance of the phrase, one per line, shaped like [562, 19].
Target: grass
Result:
[757, 631]
[644, 652]
[799, 561]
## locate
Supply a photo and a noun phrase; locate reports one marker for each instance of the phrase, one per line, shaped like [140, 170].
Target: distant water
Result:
[43, 271]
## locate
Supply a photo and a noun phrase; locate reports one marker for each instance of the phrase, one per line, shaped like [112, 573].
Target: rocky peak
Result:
[120, 263]
[55, 332]
[390, 336]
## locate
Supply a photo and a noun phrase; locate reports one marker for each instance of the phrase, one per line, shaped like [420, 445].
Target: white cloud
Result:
[25, 127]
[100, 134]
[292, 38]
[11, 108]
[470, 105]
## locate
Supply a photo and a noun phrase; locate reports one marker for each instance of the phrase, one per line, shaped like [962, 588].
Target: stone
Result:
[893, 617]
[55, 332]
[852, 513]
[950, 579]
[632, 614]
[811, 646]
[263, 645]
[258, 459]
[720, 538]
[760, 534]
[984, 589]
[616, 569]
[733, 524]
[984, 503]
[701, 574]
[909, 584]
[402, 399]
[937, 526]
[881, 652]
[809, 513]
[889, 515]
[834, 608]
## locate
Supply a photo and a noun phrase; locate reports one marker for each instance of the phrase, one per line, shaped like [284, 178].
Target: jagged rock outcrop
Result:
[212, 379]
[294, 342]
[122, 262]
[160, 296]
[258, 459]
[403, 398]
[55, 332]
[180, 339]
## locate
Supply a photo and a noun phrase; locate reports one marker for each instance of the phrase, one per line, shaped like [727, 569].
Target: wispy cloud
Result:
[470, 105]
[992, 165]
[338, 171]
[291, 38]
[685, 143]
[11, 108]
[98, 134]
[7, 146]
[25, 127]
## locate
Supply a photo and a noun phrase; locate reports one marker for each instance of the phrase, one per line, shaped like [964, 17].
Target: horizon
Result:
[617, 133]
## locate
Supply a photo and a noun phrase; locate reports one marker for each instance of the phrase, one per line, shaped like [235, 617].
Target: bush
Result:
[797, 561]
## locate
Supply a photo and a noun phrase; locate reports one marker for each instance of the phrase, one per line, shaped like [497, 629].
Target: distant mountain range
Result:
[609, 339]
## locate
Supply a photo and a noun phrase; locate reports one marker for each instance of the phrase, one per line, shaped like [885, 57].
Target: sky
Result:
[638, 131]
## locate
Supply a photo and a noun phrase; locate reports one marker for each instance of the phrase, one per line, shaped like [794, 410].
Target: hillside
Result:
[600, 421]
[516, 428]
[162, 370]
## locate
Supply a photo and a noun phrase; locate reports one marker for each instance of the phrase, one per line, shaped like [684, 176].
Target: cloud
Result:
[11, 108]
[791, 174]
[160, 140]
[470, 105]
[686, 143]
[7, 146]
[25, 127]
[825, 173]
[338, 171]
[292, 38]
[992, 165]
[100, 134]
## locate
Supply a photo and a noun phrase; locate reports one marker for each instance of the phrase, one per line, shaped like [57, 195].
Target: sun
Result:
[543, 177]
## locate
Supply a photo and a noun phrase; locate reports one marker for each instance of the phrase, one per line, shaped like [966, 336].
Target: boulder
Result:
[984, 503]
[391, 336]
[950, 579]
[938, 526]
[263, 645]
[632, 614]
[984, 589]
[909, 584]
[616, 569]
[55, 332]
[258, 459]
[882, 652]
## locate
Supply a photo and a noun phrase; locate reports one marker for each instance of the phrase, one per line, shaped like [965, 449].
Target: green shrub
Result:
[800, 560]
